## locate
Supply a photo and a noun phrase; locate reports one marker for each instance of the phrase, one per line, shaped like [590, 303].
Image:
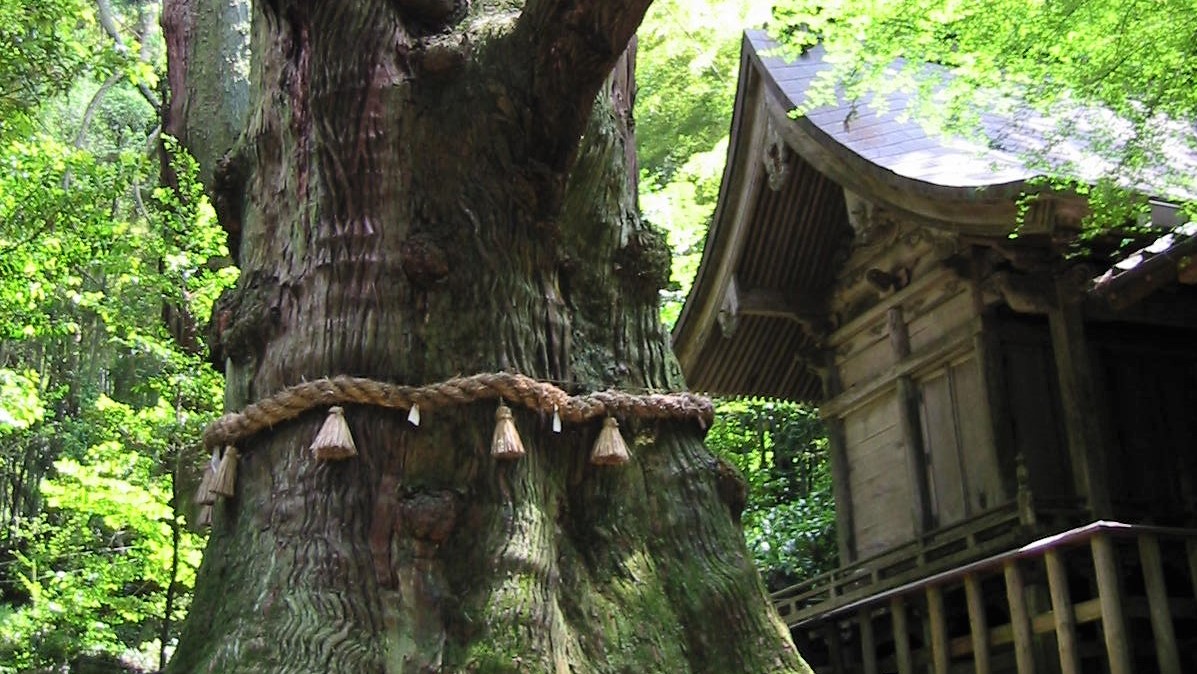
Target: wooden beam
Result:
[1158, 606]
[773, 304]
[911, 425]
[1057, 580]
[841, 483]
[897, 609]
[1113, 621]
[978, 625]
[841, 491]
[1020, 620]
[868, 641]
[916, 455]
[958, 341]
[899, 336]
[1044, 623]
[729, 230]
[1085, 446]
[940, 660]
[987, 345]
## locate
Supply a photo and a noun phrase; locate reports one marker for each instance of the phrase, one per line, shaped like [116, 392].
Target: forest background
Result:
[111, 260]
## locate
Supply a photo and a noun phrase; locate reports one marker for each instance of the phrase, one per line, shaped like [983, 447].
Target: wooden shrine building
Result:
[1013, 429]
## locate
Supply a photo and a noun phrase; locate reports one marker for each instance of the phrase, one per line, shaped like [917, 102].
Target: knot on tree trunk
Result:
[244, 319]
[424, 261]
[429, 516]
[644, 263]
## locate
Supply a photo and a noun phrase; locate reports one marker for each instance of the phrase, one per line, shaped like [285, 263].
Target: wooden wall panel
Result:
[976, 437]
[880, 494]
[961, 461]
[947, 483]
[870, 355]
[943, 317]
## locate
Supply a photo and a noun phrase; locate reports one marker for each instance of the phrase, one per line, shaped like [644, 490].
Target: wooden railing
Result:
[991, 531]
[1036, 608]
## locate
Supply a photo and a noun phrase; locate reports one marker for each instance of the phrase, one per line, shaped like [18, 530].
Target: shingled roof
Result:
[754, 317]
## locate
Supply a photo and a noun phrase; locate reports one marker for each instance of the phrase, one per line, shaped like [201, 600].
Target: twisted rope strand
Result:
[515, 388]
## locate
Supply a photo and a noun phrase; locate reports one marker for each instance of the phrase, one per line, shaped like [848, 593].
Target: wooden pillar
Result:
[911, 427]
[1113, 622]
[978, 625]
[940, 660]
[841, 485]
[1157, 604]
[1057, 581]
[1020, 619]
[835, 650]
[897, 608]
[1191, 550]
[868, 641]
[1085, 446]
[987, 344]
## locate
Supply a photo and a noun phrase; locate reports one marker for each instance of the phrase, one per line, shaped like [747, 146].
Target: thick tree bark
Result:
[430, 189]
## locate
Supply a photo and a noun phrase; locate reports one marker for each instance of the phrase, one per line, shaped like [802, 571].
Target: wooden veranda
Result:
[1079, 601]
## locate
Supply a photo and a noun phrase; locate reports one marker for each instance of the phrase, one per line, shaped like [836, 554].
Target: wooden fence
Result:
[1103, 597]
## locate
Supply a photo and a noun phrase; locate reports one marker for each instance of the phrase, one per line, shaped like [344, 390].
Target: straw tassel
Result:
[225, 483]
[203, 494]
[334, 442]
[506, 444]
[610, 449]
[204, 519]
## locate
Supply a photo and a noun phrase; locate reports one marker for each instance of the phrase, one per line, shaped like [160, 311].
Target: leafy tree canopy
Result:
[687, 68]
[1117, 75]
[101, 403]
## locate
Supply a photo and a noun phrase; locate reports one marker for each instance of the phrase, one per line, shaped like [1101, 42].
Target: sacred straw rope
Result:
[515, 388]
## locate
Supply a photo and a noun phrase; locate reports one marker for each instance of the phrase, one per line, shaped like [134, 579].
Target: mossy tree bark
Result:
[427, 188]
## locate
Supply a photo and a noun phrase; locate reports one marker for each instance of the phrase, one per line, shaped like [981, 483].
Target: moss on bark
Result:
[419, 228]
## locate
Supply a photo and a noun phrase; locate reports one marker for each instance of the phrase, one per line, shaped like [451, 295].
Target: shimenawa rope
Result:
[514, 388]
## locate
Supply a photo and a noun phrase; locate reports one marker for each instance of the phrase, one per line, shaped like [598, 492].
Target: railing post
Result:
[897, 609]
[1057, 582]
[1020, 621]
[939, 630]
[1112, 621]
[977, 624]
[868, 642]
[1158, 606]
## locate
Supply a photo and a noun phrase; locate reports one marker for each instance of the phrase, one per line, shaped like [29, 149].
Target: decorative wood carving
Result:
[776, 157]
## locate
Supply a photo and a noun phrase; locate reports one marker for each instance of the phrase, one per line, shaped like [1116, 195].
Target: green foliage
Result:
[101, 399]
[44, 46]
[95, 564]
[1112, 76]
[20, 404]
[90, 261]
[781, 449]
[687, 67]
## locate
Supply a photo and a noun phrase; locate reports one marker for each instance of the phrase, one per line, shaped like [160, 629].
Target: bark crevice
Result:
[411, 221]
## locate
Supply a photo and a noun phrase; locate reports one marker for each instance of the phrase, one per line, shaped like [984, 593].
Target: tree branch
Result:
[575, 43]
[109, 23]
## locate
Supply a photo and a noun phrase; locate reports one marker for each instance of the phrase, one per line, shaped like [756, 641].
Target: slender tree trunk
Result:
[425, 190]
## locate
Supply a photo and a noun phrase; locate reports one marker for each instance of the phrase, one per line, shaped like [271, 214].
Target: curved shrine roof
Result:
[752, 322]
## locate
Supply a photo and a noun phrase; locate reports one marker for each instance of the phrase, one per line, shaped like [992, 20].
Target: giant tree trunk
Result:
[426, 189]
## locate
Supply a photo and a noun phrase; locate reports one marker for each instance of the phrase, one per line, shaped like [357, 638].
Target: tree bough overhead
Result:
[425, 189]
